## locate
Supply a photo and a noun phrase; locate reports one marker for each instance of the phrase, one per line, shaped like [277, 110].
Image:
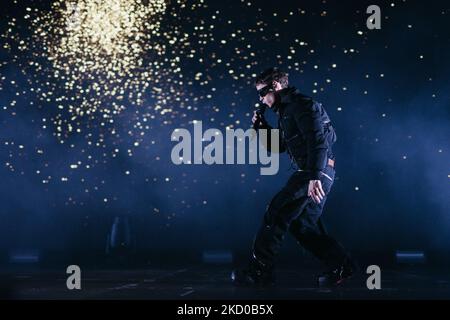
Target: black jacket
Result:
[305, 131]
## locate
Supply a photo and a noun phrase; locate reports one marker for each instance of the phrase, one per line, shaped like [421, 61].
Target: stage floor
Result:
[212, 282]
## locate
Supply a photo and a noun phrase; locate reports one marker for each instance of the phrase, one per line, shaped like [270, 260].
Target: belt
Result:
[331, 163]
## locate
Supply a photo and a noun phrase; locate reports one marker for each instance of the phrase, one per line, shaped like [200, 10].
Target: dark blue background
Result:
[402, 203]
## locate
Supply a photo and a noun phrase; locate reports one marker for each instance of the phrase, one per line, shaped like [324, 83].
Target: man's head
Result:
[269, 82]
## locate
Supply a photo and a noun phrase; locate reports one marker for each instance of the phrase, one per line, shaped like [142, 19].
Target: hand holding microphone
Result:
[258, 119]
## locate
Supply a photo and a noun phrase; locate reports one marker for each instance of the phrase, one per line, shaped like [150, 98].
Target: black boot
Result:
[337, 275]
[254, 275]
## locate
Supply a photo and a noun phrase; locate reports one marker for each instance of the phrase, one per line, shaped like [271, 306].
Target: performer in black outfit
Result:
[307, 135]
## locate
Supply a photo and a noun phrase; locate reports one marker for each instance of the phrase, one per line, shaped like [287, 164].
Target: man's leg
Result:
[309, 231]
[276, 223]
[318, 242]
[284, 208]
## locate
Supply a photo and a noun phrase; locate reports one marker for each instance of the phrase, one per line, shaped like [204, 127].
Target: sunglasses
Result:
[264, 91]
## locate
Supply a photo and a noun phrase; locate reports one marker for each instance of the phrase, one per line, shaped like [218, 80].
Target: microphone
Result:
[260, 109]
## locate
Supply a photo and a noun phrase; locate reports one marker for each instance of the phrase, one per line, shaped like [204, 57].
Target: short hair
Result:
[273, 74]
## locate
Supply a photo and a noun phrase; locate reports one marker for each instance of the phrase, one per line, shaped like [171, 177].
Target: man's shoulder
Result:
[301, 96]
[300, 102]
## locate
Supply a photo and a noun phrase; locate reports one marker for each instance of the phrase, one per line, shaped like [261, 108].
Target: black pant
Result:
[291, 209]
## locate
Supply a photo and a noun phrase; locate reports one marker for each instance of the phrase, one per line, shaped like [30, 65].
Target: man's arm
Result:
[309, 123]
